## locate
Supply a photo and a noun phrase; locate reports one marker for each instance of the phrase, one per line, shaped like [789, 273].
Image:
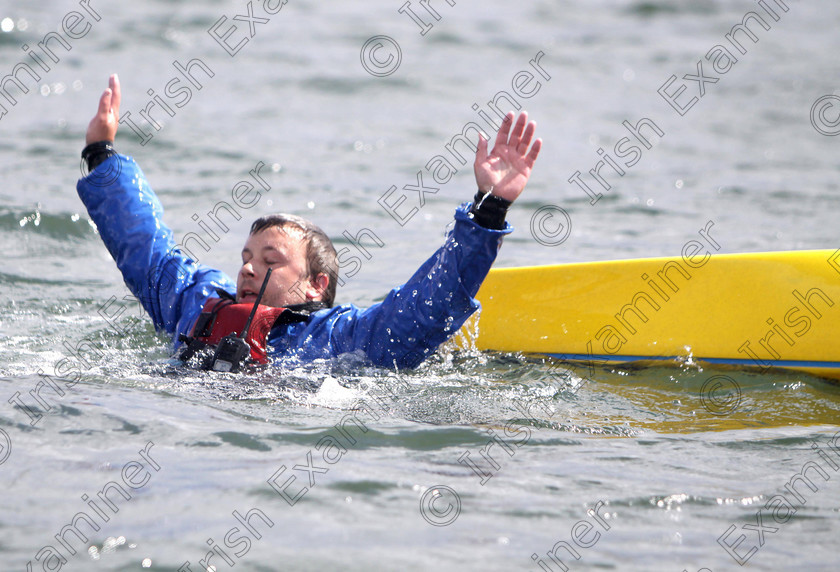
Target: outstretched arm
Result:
[417, 317]
[129, 218]
[505, 171]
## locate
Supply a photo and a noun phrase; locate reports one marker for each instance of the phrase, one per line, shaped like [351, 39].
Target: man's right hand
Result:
[103, 126]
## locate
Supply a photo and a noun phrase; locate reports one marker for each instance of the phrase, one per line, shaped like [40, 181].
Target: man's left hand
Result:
[507, 168]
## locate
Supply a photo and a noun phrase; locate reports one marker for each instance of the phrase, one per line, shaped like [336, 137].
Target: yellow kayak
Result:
[759, 310]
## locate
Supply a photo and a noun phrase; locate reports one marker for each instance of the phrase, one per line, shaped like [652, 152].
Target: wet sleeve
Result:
[171, 286]
[415, 318]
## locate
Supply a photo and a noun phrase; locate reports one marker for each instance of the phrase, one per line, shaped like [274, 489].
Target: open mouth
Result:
[247, 296]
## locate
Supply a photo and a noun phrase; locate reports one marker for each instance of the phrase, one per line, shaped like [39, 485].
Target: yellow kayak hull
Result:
[757, 310]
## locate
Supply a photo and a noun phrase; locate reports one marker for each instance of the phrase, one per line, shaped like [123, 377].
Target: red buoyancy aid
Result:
[221, 317]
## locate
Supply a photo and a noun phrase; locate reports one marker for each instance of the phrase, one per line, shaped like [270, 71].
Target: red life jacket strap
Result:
[221, 317]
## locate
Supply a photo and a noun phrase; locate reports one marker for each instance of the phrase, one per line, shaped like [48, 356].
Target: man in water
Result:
[296, 320]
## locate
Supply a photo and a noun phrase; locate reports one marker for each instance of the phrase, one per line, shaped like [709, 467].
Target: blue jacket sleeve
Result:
[171, 286]
[414, 318]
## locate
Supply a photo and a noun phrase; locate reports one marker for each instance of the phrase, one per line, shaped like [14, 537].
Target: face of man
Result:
[284, 251]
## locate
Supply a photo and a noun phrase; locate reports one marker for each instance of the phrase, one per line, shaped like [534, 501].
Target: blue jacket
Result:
[400, 331]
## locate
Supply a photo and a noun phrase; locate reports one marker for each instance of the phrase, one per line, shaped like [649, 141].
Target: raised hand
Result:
[103, 126]
[507, 168]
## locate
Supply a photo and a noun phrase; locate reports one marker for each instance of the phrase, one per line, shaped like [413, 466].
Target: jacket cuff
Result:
[95, 153]
[489, 211]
